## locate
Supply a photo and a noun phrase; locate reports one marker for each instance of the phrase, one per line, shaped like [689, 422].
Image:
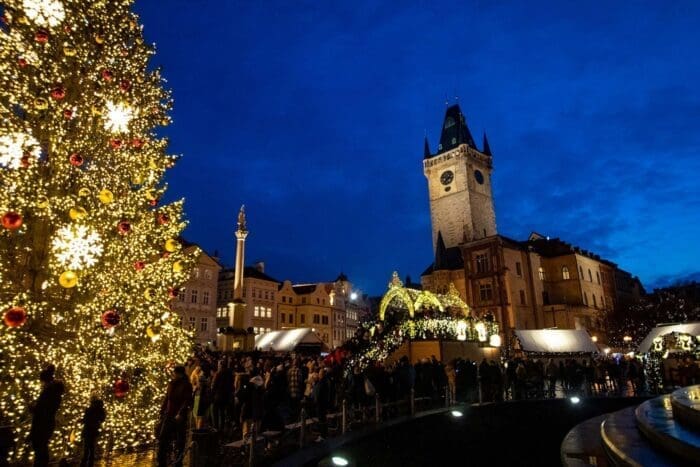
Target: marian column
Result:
[241, 234]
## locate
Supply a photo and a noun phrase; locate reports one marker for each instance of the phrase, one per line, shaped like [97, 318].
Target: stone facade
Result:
[196, 301]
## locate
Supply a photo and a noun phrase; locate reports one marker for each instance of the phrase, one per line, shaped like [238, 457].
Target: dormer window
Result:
[449, 122]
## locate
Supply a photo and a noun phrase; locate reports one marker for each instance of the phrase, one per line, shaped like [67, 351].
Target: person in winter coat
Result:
[44, 415]
[222, 392]
[175, 410]
[250, 397]
[92, 420]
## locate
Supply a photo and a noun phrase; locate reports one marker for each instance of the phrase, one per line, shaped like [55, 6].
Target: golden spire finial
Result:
[241, 219]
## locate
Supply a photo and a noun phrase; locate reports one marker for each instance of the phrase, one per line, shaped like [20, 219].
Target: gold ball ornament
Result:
[106, 196]
[171, 245]
[69, 51]
[99, 38]
[177, 266]
[149, 294]
[84, 192]
[68, 279]
[153, 332]
[42, 202]
[41, 104]
[77, 213]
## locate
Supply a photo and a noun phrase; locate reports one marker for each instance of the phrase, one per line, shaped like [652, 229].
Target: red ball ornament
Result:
[107, 75]
[110, 318]
[173, 292]
[22, 62]
[15, 316]
[12, 220]
[58, 93]
[165, 254]
[42, 36]
[121, 387]
[153, 202]
[115, 143]
[139, 265]
[137, 143]
[125, 85]
[163, 218]
[124, 227]
[68, 114]
[76, 159]
[25, 162]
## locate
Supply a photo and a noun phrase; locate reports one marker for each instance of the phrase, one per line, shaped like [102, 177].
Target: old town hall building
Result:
[535, 283]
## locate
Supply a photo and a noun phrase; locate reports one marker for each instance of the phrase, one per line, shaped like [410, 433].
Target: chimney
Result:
[260, 266]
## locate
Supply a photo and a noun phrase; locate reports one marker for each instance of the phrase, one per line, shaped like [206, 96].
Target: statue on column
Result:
[241, 219]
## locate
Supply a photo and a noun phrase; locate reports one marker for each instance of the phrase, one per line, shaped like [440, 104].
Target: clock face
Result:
[479, 177]
[447, 177]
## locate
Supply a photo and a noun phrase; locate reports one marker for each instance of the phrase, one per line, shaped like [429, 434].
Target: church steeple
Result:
[440, 252]
[454, 130]
[487, 148]
[426, 149]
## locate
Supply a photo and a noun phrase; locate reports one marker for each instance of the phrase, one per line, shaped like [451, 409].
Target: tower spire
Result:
[455, 131]
[487, 148]
[426, 149]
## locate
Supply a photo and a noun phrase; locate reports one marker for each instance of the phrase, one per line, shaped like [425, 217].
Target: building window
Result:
[565, 273]
[540, 272]
[522, 298]
[482, 263]
[282, 318]
[580, 272]
[302, 318]
[595, 303]
[518, 269]
[195, 273]
[585, 298]
[256, 311]
[272, 295]
[259, 293]
[192, 322]
[597, 276]
[207, 274]
[545, 297]
[324, 319]
[485, 292]
[590, 276]
[205, 297]
[203, 324]
[256, 330]
[303, 300]
[268, 312]
[193, 296]
[181, 295]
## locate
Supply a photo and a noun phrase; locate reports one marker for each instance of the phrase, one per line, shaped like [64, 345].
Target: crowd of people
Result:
[238, 395]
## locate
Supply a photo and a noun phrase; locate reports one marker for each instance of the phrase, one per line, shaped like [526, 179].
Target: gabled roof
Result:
[486, 148]
[446, 259]
[304, 289]
[455, 131]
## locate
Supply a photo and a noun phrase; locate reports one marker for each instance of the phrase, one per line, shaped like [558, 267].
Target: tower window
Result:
[540, 271]
[590, 276]
[522, 298]
[597, 275]
[585, 298]
[518, 269]
[482, 263]
[565, 273]
[595, 303]
[485, 292]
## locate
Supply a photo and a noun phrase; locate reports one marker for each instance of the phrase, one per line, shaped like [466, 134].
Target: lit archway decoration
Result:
[429, 298]
[396, 292]
[414, 300]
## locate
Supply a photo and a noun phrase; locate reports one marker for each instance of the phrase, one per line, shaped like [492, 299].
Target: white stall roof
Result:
[556, 341]
[659, 331]
[287, 340]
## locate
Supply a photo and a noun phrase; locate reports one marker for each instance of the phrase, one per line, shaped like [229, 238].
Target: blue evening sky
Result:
[313, 114]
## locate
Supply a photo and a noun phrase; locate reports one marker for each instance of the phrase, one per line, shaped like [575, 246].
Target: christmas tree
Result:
[89, 260]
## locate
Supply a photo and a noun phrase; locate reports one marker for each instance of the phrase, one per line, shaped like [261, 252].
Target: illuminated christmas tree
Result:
[88, 258]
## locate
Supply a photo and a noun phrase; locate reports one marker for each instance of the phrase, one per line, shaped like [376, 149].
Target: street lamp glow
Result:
[575, 399]
[341, 461]
[627, 339]
[594, 338]
[353, 296]
[606, 350]
[456, 413]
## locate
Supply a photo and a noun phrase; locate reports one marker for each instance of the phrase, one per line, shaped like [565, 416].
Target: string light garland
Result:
[81, 157]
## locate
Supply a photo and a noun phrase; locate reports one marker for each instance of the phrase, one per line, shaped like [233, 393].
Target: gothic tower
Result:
[459, 184]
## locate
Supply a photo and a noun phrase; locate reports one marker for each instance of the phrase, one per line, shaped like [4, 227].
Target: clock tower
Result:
[459, 184]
